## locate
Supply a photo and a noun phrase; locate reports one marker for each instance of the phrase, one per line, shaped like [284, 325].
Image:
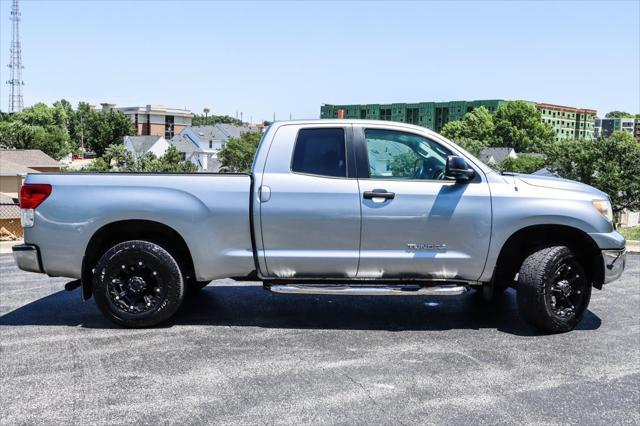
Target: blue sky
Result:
[289, 57]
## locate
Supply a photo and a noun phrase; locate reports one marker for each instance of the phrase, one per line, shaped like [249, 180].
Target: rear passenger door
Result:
[310, 204]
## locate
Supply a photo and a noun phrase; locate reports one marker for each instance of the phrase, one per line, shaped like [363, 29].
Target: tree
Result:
[117, 158]
[519, 125]
[171, 162]
[476, 125]
[101, 129]
[237, 154]
[610, 164]
[618, 114]
[37, 127]
[59, 129]
[523, 164]
[208, 120]
[473, 146]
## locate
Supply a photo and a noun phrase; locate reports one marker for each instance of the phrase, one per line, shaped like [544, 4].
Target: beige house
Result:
[15, 163]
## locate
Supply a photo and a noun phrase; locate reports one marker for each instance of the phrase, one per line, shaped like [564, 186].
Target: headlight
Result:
[604, 208]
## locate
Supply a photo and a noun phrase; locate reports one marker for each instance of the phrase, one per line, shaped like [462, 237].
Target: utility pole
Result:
[16, 102]
[81, 132]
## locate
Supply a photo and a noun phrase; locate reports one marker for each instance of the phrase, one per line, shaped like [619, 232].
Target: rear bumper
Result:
[614, 262]
[27, 257]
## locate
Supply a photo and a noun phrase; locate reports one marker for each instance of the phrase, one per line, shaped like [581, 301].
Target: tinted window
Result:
[399, 155]
[320, 152]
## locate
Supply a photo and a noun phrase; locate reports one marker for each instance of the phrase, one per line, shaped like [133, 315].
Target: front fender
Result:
[514, 211]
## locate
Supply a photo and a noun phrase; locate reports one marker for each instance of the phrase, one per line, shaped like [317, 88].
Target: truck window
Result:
[320, 152]
[400, 155]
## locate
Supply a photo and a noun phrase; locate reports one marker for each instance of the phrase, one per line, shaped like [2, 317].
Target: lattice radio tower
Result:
[16, 103]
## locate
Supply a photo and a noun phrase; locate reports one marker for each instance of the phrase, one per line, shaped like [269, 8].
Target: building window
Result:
[168, 126]
[385, 114]
[412, 115]
[210, 144]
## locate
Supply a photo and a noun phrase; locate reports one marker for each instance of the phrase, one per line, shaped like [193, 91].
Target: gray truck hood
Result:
[559, 183]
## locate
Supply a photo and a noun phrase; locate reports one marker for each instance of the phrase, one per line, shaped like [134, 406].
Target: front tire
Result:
[138, 284]
[553, 291]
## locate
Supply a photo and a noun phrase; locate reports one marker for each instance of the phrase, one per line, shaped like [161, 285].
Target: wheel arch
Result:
[525, 240]
[116, 232]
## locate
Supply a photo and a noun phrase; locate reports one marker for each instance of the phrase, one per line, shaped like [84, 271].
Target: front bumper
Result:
[614, 262]
[27, 257]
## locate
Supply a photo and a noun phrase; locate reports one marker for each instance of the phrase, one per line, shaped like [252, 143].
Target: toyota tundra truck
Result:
[332, 207]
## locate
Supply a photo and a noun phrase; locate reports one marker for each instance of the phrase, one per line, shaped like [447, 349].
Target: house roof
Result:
[197, 138]
[142, 144]
[184, 143]
[28, 157]
[233, 131]
[206, 133]
[9, 168]
[496, 154]
[219, 131]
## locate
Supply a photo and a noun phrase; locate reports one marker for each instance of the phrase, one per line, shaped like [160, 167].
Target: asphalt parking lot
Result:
[239, 354]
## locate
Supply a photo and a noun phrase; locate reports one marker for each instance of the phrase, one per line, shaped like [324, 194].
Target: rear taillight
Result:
[33, 194]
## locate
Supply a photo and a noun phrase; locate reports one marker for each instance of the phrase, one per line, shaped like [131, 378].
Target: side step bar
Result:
[361, 290]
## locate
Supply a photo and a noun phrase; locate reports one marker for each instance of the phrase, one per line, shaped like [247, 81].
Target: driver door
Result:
[415, 223]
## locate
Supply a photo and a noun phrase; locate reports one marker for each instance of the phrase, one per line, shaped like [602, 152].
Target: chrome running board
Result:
[371, 290]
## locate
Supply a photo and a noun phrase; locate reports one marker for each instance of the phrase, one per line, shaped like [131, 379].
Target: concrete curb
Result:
[5, 246]
[633, 246]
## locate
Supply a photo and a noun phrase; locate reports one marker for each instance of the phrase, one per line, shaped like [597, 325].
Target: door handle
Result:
[264, 194]
[379, 193]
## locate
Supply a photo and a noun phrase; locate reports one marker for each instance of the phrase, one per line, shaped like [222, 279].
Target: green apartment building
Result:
[568, 122]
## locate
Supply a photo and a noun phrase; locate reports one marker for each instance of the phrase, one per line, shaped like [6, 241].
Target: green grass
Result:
[632, 233]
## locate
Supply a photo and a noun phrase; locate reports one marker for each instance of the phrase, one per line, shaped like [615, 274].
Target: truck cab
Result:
[367, 201]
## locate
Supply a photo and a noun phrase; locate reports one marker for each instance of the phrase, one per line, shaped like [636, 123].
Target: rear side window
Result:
[320, 152]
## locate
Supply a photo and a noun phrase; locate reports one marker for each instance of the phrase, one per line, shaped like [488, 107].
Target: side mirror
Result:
[458, 169]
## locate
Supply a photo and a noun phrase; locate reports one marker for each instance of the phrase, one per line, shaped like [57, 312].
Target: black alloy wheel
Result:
[138, 284]
[553, 291]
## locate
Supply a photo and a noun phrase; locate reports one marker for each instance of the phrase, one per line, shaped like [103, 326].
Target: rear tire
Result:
[553, 291]
[138, 284]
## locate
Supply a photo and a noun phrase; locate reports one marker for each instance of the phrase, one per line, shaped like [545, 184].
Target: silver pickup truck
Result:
[337, 207]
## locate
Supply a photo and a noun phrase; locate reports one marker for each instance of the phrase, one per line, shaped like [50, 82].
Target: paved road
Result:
[241, 355]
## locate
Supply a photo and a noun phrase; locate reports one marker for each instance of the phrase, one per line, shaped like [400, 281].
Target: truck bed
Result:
[209, 211]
